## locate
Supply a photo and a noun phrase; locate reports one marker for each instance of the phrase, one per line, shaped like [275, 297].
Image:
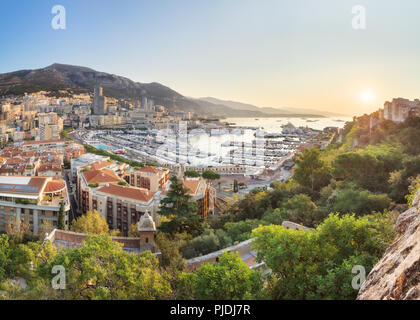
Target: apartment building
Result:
[33, 201]
[50, 125]
[49, 170]
[83, 161]
[68, 148]
[150, 178]
[103, 190]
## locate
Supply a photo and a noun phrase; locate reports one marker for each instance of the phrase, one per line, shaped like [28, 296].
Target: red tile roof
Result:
[100, 176]
[49, 167]
[54, 186]
[127, 192]
[98, 165]
[192, 186]
[149, 170]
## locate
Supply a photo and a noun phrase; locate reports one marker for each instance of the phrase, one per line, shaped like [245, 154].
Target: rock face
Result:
[397, 275]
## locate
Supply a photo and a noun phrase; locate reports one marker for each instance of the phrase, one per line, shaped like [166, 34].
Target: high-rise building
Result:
[144, 103]
[150, 106]
[99, 106]
[50, 126]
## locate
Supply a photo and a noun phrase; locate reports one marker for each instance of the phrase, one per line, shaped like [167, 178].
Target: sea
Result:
[213, 144]
[273, 125]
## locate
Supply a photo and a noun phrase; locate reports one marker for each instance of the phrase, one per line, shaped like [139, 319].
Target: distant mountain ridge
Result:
[82, 79]
[270, 111]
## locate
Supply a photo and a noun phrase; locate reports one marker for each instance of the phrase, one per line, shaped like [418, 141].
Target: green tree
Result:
[100, 270]
[90, 223]
[414, 188]
[61, 216]
[311, 171]
[228, 279]
[242, 230]
[171, 259]
[181, 211]
[311, 265]
[369, 168]
[191, 174]
[235, 186]
[210, 175]
[300, 209]
[358, 201]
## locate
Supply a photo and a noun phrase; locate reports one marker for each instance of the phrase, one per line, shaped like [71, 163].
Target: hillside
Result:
[81, 79]
[270, 111]
[397, 275]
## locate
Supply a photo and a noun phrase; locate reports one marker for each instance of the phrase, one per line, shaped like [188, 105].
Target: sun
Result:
[367, 96]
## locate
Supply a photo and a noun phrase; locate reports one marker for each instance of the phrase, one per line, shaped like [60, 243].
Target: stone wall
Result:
[68, 239]
[242, 248]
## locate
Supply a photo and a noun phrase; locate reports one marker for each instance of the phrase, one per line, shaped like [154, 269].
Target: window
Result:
[147, 240]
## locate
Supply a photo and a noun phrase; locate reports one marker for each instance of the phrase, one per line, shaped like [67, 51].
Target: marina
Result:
[252, 149]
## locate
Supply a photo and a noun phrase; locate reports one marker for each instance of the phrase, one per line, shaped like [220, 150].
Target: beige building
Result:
[33, 201]
[105, 191]
[105, 120]
[150, 178]
[50, 125]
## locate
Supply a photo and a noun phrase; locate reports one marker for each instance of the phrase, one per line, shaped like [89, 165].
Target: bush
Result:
[358, 201]
[242, 230]
[206, 243]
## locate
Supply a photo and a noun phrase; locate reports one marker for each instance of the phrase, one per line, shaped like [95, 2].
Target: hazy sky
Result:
[296, 53]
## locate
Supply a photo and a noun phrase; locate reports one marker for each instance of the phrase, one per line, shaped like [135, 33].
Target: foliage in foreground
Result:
[100, 269]
[227, 279]
[318, 265]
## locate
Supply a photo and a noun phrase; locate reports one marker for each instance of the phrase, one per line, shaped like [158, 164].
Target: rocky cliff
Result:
[397, 275]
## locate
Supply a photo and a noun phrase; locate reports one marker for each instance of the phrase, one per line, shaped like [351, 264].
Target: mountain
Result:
[81, 79]
[270, 111]
[75, 79]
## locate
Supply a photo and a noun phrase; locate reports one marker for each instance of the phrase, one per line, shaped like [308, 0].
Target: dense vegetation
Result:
[98, 270]
[350, 194]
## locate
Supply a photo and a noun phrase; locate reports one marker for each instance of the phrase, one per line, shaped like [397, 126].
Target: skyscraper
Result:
[99, 102]
[150, 105]
[144, 103]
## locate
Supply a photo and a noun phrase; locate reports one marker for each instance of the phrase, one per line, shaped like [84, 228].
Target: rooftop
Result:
[26, 143]
[100, 176]
[132, 193]
[98, 165]
[22, 185]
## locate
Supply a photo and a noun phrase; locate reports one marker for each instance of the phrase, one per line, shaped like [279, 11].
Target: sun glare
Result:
[367, 96]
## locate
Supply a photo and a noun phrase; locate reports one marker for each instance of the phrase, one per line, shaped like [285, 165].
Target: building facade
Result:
[151, 178]
[99, 106]
[400, 109]
[32, 201]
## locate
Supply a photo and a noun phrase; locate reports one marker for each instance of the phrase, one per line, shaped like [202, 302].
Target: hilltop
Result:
[77, 79]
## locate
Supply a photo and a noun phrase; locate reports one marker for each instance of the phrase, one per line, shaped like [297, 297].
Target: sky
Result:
[270, 53]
